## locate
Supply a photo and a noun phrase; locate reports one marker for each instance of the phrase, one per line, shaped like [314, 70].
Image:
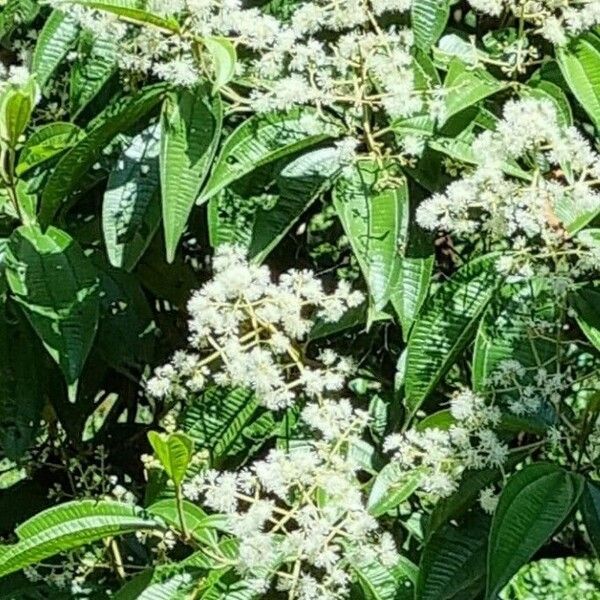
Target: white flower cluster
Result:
[247, 328]
[556, 20]
[565, 173]
[529, 388]
[329, 53]
[442, 455]
[300, 515]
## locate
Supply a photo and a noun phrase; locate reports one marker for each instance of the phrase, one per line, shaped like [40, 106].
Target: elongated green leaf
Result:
[546, 90]
[174, 451]
[190, 130]
[69, 526]
[96, 63]
[131, 207]
[534, 504]
[429, 18]
[373, 220]
[585, 301]
[216, 419]
[465, 86]
[263, 139]
[391, 488]
[54, 42]
[411, 290]
[453, 561]
[130, 9]
[252, 219]
[580, 65]
[72, 167]
[149, 585]
[46, 143]
[376, 581]
[16, 13]
[590, 511]
[21, 395]
[57, 287]
[446, 325]
[16, 106]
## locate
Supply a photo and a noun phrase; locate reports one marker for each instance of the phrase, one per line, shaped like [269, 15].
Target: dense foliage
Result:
[299, 299]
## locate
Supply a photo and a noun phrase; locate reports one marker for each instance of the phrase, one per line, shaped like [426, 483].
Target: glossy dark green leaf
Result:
[533, 505]
[579, 63]
[453, 561]
[73, 166]
[131, 206]
[190, 131]
[56, 38]
[590, 511]
[446, 325]
[57, 287]
[262, 139]
[374, 220]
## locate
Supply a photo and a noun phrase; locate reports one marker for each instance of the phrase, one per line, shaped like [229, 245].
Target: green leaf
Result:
[391, 488]
[216, 419]
[131, 11]
[446, 325]
[224, 57]
[69, 526]
[579, 63]
[190, 131]
[151, 586]
[467, 492]
[200, 525]
[126, 332]
[16, 13]
[57, 287]
[54, 42]
[546, 90]
[464, 86]
[453, 561]
[429, 18]
[590, 511]
[96, 63]
[131, 207]
[585, 301]
[411, 289]
[73, 166]
[533, 505]
[263, 139]
[376, 581]
[16, 107]
[259, 222]
[174, 451]
[374, 220]
[21, 395]
[46, 143]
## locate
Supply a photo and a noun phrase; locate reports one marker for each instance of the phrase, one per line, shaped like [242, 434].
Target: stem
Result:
[179, 500]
